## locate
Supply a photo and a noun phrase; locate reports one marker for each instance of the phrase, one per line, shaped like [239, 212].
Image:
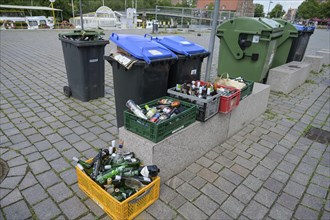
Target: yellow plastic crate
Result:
[129, 208]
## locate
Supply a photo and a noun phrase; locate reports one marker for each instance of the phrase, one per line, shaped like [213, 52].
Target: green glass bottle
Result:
[113, 172]
[117, 194]
[84, 166]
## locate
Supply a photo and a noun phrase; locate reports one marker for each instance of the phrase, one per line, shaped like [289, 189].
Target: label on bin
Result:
[185, 42]
[155, 52]
[93, 60]
[255, 39]
[193, 72]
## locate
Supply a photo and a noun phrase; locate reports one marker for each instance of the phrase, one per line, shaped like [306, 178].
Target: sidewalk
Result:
[267, 170]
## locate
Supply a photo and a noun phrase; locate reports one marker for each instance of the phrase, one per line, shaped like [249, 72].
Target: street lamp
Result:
[270, 2]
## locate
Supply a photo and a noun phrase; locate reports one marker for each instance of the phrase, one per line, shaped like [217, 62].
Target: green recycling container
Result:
[247, 47]
[284, 43]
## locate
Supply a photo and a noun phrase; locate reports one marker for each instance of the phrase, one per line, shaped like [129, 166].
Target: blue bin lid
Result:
[304, 28]
[180, 45]
[141, 47]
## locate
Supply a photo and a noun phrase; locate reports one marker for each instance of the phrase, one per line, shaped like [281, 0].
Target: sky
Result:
[285, 3]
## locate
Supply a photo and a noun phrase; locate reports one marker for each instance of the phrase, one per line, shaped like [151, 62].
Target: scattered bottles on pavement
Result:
[119, 173]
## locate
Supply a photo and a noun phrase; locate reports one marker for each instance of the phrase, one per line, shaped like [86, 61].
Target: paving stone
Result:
[189, 211]
[73, 208]
[29, 180]
[245, 163]
[265, 197]
[186, 175]
[174, 182]
[231, 176]
[317, 191]
[207, 175]
[94, 207]
[261, 172]
[62, 145]
[46, 209]
[9, 155]
[177, 201]
[300, 178]
[305, 213]
[198, 182]
[69, 176]
[11, 198]
[215, 167]
[323, 170]
[34, 194]
[321, 180]
[59, 192]
[325, 216]
[68, 154]
[16, 161]
[255, 210]
[188, 191]
[273, 185]
[78, 192]
[240, 170]
[305, 168]
[288, 201]
[211, 155]
[11, 182]
[286, 167]
[253, 183]
[224, 161]
[59, 164]
[17, 171]
[243, 194]
[18, 210]
[144, 216]
[167, 194]
[224, 185]
[33, 157]
[160, 210]
[48, 178]
[280, 212]
[205, 162]
[230, 155]
[220, 215]
[232, 207]
[214, 193]
[206, 204]
[51, 154]
[280, 176]
[53, 138]
[194, 167]
[39, 166]
[312, 202]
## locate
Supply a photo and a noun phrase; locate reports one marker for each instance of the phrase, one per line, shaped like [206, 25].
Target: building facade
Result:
[241, 7]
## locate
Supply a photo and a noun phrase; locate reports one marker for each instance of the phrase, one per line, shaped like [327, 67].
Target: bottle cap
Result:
[75, 159]
[117, 177]
[107, 167]
[80, 166]
[113, 143]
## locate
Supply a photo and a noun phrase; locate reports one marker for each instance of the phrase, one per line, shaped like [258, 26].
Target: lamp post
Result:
[270, 2]
[52, 4]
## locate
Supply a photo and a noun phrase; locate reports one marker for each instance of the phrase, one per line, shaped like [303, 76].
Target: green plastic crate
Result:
[158, 131]
[246, 90]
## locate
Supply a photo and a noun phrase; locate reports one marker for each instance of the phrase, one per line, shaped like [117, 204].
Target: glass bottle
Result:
[111, 173]
[135, 109]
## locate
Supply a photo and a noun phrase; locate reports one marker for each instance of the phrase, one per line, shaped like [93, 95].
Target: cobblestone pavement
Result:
[267, 170]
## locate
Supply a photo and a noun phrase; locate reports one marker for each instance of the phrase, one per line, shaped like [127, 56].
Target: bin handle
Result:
[114, 34]
[148, 35]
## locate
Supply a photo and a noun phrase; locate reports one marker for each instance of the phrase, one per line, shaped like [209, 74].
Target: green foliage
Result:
[309, 9]
[324, 10]
[259, 10]
[277, 11]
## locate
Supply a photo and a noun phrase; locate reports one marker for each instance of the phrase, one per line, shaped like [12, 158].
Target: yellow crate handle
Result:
[137, 199]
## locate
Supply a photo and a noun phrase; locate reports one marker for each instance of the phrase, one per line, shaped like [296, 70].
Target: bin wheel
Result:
[67, 91]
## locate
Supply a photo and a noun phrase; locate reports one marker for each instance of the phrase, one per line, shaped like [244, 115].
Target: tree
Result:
[277, 11]
[324, 11]
[259, 10]
[308, 9]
